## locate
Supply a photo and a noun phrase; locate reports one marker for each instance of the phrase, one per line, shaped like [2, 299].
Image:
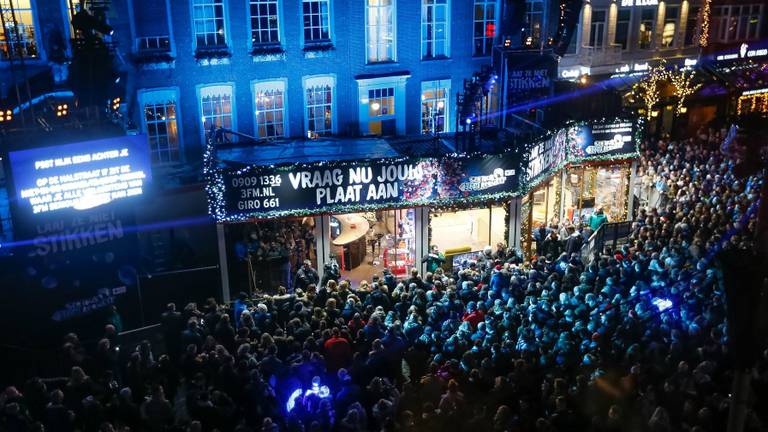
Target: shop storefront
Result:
[363, 216]
[574, 172]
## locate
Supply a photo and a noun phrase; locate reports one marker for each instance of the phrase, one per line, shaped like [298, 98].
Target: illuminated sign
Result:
[313, 188]
[82, 175]
[630, 3]
[754, 92]
[744, 52]
[574, 73]
[580, 142]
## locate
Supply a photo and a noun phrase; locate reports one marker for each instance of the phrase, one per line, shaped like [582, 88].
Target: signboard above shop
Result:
[352, 186]
[582, 142]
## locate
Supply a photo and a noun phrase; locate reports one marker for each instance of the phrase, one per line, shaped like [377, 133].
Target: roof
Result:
[304, 151]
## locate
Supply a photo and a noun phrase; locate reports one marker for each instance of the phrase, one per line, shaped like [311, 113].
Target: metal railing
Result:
[608, 234]
[607, 54]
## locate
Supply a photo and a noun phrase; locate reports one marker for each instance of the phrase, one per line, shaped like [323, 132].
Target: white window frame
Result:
[259, 86]
[493, 4]
[132, 17]
[316, 81]
[279, 10]
[10, 38]
[426, 5]
[378, 29]
[321, 41]
[398, 84]
[225, 23]
[203, 90]
[435, 86]
[160, 96]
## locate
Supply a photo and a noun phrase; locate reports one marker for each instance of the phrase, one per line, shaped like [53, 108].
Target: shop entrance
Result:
[364, 244]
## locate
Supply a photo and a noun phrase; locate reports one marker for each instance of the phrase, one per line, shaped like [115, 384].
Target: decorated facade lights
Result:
[648, 88]
[706, 14]
[682, 80]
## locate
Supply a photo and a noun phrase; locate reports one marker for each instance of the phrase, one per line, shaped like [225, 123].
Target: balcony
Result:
[600, 56]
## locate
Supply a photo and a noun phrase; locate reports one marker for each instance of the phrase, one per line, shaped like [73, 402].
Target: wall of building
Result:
[346, 62]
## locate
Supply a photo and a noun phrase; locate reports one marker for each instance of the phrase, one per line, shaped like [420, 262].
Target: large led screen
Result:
[81, 175]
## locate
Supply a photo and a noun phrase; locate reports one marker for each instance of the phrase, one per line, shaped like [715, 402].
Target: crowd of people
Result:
[634, 339]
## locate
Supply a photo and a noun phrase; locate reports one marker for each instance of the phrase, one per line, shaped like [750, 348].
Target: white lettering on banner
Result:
[83, 189]
[528, 79]
[77, 238]
[744, 52]
[630, 3]
[478, 183]
[319, 188]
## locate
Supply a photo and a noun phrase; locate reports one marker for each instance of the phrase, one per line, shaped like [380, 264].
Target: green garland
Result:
[213, 172]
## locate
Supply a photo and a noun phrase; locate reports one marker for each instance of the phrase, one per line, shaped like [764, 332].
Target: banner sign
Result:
[582, 142]
[529, 76]
[81, 175]
[264, 192]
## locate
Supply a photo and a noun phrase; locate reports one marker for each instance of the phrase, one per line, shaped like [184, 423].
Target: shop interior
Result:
[366, 243]
[584, 189]
[475, 228]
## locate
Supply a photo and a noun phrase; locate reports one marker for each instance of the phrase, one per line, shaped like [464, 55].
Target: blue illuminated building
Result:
[293, 68]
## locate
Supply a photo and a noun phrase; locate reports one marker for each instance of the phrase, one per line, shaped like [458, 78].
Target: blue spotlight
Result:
[662, 304]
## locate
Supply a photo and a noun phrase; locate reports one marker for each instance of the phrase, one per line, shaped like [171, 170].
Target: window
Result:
[737, 22]
[152, 29]
[25, 43]
[317, 25]
[671, 14]
[216, 107]
[380, 31]
[160, 124]
[623, 18]
[597, 29]
[434, 106]
[265, 22]
[534, 19]
[381, 111]
[381, 102]
[690, 25]
[484, 27]
[208, 23]
[319, 103]
[645, 34]
[270, 109]
[434, 29]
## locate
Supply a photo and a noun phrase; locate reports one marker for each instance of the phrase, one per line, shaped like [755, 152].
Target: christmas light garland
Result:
[214, 170]
[706, 13]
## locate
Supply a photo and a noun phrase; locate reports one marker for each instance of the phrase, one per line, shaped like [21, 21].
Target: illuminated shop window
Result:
[216, 107]
[25, 45]
[160, 125]
[270, 109]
